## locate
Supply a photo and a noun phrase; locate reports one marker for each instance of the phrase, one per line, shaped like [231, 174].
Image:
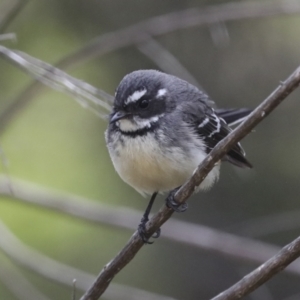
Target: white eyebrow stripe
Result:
[136, 96]
[161, 93]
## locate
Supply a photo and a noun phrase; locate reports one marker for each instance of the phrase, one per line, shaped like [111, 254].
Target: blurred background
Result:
[238, 52]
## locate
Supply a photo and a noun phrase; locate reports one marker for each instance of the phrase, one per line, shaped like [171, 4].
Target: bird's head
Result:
[141, 99]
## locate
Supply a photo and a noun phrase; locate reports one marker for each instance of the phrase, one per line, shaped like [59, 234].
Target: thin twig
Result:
[193, 235]
[160, 25]
[8, 36]
[62, 273]
[17, 284]
[219, 34]
[166, 61]
[87, 95]
[135, 243]
[11, 13]
[139, 32]
[263, 273]
[267, 225]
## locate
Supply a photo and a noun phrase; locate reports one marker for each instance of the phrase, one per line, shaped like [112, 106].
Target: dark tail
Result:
[233, 116]
[237, 159]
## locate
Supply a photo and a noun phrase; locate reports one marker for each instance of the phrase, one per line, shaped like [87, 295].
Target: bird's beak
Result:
[118, 116]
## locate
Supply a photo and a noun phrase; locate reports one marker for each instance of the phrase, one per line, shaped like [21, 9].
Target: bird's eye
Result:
[144, 103]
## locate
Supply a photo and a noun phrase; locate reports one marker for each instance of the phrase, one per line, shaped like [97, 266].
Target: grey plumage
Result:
[160, 130]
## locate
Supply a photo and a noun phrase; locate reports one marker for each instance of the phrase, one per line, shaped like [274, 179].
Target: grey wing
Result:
[212, 130]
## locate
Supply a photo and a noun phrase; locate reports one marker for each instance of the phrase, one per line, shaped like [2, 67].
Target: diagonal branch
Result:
[88, 96]
[267, 225]
[18, 284]
[166, 61]
[263, 273]
[61, 273]
[197, 16]
[8, 36]
[156, 26]
[11, 13]
[135, 243]
[192, 235]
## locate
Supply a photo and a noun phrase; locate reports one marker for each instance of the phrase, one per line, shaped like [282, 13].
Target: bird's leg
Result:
[172, 203]
[145, 219]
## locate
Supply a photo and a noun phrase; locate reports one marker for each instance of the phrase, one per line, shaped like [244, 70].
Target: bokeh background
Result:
[52, 142]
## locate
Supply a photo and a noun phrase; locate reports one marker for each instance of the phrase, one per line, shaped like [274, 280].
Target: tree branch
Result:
[166, 61]
[8, 36]
[135, 243]
[263, 273]
[62, 273]
[156, 26]
[11, 13]
[160, 25]
[87, 95]
[18, 284]
[192, 235]
[268, 225]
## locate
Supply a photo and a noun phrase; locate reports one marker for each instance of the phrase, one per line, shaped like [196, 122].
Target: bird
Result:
[160, 129]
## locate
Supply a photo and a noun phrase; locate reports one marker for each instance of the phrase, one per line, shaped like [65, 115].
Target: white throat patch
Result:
[136, 123]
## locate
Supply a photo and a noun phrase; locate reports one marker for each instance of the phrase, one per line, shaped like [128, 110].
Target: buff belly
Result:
[142, 163]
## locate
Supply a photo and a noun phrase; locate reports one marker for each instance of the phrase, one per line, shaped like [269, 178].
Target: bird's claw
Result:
[156, 234]
[172, 203]
[142, 232]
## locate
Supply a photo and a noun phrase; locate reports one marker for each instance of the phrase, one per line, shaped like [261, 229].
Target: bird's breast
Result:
[142, 163]
[148, 166]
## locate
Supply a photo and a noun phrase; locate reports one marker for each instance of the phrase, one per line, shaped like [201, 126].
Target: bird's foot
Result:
[172, 203]
[142, 232]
